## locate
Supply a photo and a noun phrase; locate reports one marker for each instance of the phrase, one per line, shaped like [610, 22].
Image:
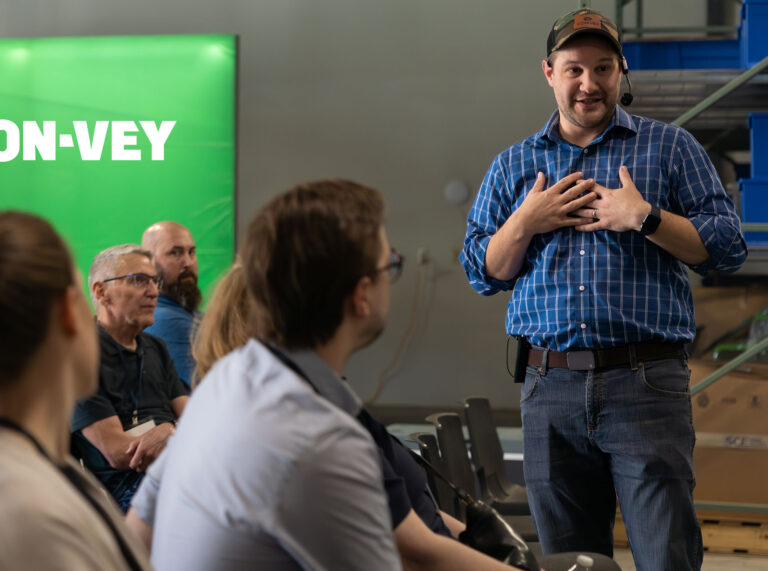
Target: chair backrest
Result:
[453, 450]
[430, 451]
[487, 454]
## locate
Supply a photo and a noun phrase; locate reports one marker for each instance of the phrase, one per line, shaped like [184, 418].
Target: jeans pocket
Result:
[532, 379]
[667, 377]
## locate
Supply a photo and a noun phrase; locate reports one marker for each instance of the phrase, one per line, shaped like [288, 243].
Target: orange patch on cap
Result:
[581, 21]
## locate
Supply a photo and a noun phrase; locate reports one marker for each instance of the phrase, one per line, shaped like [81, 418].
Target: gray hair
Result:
[105, 264]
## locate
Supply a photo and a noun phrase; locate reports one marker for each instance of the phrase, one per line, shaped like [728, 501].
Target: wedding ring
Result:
[594, 214]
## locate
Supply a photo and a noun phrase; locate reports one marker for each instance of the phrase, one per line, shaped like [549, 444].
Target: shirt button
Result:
[586, 151]
[581, 252]
[582, 288]
[583, 325]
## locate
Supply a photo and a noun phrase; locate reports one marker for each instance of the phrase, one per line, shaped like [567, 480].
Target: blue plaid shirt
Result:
[604, 288]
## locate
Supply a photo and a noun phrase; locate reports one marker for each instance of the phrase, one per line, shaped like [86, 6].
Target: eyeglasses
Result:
[138, 280]
[395, 267]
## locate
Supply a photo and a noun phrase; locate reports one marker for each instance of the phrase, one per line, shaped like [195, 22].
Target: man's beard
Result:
[182, 291]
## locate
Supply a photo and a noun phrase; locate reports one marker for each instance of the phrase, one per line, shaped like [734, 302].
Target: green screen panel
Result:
[105, 135]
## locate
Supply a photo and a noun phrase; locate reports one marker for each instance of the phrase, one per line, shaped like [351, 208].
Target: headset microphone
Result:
[627, 98]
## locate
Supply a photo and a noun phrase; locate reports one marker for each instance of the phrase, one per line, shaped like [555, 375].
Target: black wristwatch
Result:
[651, 221]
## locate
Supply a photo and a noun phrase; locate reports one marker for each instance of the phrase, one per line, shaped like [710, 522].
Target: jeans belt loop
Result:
[633, 356]
[543, 364]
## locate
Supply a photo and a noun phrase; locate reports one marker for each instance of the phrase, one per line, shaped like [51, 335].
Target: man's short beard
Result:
[184, 292]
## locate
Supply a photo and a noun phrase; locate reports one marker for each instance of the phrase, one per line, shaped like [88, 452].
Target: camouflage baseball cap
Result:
[582, 21]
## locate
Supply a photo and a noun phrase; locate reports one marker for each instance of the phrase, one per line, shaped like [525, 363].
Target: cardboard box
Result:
[720, 309]
[731, 421]
[731, 475]
[736, 403]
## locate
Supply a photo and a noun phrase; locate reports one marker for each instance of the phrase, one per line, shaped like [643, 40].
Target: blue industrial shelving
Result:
[754, 190]
[748, 49]
[715, 55]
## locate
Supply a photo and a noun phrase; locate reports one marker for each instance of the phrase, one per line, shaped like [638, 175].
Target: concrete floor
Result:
[712, 561]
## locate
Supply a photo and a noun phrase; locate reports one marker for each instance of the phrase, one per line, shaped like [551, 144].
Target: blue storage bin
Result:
[683, 54]
[754, 208]
[758, 143]
[753, 36]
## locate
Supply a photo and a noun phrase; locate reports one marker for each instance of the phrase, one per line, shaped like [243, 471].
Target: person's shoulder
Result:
[53, 525]
[31, 488]
[251, 361]
[154, 343]
[286, 404]
[336, 440]
[658, 128]
[517, 153]
[155, 351]
[533, 141]
[168, 318]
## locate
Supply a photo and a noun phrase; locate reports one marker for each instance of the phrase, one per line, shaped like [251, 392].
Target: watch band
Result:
[651, 221]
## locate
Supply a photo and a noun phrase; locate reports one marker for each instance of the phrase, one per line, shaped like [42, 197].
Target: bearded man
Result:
[174, 255]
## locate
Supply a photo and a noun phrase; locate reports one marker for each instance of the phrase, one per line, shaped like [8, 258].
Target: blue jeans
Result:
[124, 495]
[590, 436]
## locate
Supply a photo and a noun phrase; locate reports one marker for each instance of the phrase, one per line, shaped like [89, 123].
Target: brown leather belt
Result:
[604, 358]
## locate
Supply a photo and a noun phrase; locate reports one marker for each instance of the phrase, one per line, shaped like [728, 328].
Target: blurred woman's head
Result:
[35, 270]
[226, 323]
[42, 307]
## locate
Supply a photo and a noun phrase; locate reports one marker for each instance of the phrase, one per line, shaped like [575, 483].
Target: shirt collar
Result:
[620, 120]
[325, 380]
[112, 347]
[163, 299]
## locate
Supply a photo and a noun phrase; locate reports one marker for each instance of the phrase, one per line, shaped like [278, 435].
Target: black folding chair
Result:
[453, 452]
[448, 453]
[430, 451]
[488, 457]
[458, 469]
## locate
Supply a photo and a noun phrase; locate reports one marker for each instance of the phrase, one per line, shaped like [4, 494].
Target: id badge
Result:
[141, 428]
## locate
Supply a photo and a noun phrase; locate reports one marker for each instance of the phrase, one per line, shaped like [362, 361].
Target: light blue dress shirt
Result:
[264, 473]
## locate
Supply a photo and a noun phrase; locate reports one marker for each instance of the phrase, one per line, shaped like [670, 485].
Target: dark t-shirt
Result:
[144, 380]
[404, 481]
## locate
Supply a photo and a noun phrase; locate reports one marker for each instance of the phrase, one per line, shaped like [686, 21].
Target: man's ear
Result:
[359, 303]
[99, 293]
[548, 70]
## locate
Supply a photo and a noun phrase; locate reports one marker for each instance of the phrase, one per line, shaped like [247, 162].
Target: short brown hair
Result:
[35, 270]
[303, 255]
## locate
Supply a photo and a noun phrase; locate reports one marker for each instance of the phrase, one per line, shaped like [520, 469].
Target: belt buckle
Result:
[580, 360]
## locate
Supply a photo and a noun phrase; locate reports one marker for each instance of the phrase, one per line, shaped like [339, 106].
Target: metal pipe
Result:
[761, 345]
[722, 92]
[731, 507]
[639, 30]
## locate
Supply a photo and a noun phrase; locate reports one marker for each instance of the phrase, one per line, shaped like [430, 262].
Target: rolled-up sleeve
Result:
[489, 212]
[709, 208]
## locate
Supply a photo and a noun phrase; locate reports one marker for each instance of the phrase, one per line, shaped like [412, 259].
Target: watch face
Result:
[651, 221]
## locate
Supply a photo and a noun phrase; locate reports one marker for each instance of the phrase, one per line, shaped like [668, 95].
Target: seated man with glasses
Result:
[119, 431]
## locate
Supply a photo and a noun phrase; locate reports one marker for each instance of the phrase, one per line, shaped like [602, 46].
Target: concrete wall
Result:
[403, 95]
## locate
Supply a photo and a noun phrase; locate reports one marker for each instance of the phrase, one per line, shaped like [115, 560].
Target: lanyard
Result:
[77, 481]
[136, 389]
